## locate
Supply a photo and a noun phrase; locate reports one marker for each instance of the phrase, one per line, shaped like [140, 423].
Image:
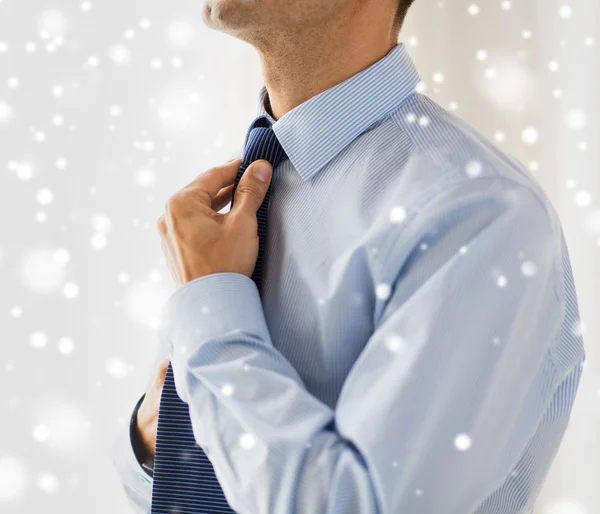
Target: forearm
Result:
[274, 445]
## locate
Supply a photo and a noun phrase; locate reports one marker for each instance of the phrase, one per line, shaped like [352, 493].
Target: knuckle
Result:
[161, 224]
[249, 190]
[176, 202]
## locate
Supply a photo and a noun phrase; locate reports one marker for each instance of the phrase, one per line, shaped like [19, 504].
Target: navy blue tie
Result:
[184, 479]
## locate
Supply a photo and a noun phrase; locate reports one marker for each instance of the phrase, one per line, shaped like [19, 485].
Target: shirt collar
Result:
[317, 130]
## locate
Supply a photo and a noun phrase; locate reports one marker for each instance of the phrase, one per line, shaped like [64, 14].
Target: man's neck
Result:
[294, 73]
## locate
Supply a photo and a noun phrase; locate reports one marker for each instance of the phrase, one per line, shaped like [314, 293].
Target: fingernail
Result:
[262, 171]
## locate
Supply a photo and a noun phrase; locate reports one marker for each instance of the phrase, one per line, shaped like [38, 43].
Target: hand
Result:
[147, 416]
[198, 240]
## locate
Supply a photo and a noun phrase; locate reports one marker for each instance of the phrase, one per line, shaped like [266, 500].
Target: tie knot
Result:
[262, 143]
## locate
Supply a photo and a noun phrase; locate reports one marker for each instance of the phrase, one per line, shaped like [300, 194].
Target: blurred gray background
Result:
[107, 107]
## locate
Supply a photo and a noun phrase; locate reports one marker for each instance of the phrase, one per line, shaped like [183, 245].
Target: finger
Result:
[252, 187]
[161, 225]
[166, 250]
[223, 198]
[162, 370]
[213, 180]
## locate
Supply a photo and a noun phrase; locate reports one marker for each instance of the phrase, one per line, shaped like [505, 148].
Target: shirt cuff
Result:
[136, 443]
[210, 307]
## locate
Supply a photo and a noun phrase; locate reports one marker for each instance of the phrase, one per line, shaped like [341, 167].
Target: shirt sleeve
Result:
[136, 476]
[137, 481]
[443, 399]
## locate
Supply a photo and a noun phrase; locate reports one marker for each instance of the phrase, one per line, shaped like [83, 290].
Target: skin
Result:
[305, 47]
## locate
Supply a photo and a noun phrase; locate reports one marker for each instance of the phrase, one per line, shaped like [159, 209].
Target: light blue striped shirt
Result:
[417, 347]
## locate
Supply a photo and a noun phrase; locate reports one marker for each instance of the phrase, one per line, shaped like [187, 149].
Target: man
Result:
[400, 337]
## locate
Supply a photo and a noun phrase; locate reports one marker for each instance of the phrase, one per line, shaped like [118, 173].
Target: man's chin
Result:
[223, 14]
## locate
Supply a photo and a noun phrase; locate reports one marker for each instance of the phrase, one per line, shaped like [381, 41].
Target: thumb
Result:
[252, 187]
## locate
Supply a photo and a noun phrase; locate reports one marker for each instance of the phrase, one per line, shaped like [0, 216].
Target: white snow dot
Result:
[506, 5]
[115, 110]
[62, 256]
[227, 389]
[462, 442]
[583, 198]
[70, 290]
[180, 33]
[499, 136]
[565, 12]
[44, 196]
[412, 41]
[397, 214]
[490, 73]
[575, 119]
[38, 340]
[438, 77]
[53, 24]
[529, 135]
[16, 311]
[564, 506]
[66, 345]
[496, 340]
[145, 23]
[473, 9]
[120, 55]
[6, 112]
[553, 66]
[86, 6]
[481, 55]
[501, 281]
[12, 478]
[92, 61]
[48, 483]
[395, 343]
[423, 121]
[418, 492]
[144, 177]
[123, 277]
[98, 241]
[383, 291]
[13, 82]
[473, 169]
[526, 34]
[411, 118]
[101, 223]
[41, 433]
[116, 368]
[529, 268]
[247, 441]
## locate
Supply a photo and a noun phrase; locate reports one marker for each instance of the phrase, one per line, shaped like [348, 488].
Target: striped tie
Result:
[184, 479]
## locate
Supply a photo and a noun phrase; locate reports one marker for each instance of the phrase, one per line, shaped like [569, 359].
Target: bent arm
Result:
[437, 408]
